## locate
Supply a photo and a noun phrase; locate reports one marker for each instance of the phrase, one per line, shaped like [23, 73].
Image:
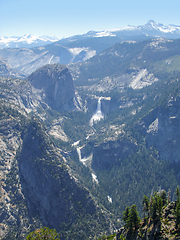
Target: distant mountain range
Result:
[26, 41]
[24, 58]
[151, 28]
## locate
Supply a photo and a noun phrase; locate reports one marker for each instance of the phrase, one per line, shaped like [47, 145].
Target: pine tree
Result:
[164, 197]
[126, 216]
[156, 207]
[177, 210]
[145, 205]
[177, 214]
[169, 196]
[134, 219]
[177, 193]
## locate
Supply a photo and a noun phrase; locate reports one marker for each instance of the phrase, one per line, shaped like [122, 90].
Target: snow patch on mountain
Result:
[142, 29]
[105, 34]
[26, 40]
[160, 27]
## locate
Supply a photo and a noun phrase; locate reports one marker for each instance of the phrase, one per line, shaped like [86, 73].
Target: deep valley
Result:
[80, 142]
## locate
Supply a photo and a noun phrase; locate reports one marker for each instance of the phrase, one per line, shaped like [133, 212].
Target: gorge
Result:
[81, 142]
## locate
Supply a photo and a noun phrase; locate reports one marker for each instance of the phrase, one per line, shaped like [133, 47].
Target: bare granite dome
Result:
[56, 84]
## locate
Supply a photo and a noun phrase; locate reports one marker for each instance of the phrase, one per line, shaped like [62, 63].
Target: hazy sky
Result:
[63, 18]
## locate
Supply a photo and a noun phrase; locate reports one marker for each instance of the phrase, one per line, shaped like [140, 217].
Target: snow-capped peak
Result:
[151, 28]
[27, 40]
[160, 27]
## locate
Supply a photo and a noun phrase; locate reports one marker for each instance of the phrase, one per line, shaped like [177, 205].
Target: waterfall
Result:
[99, 106]
[94, 178]
[109, 199]
[79, 153]
[83, 160]
[98, 114]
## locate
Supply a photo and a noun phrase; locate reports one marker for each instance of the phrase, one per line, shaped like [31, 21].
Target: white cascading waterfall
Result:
[95, 118]
[79, 153]
[98, 114]
[83, 160]
[94, 178]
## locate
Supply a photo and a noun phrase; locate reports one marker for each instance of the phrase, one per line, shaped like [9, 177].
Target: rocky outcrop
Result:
[21, 95]
[13, 211]
[107, 154]
[6, 70]
[161, 128]
[38, 187]
[165, 228]
[57, 86]
[51, 193]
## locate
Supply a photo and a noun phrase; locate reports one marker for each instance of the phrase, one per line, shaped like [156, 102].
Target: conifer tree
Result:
[134, 219]
[145, 205]
[177, 210]
[169, 196]
[177, 193]
[156, 207]
[164, 197]
[126, 216]
[177, 214]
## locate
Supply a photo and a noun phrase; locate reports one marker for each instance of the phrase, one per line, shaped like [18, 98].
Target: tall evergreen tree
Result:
[145, 205]
[156, 207]
[163, 195]
[177, 214]
[177, 193]
[126, 216]
[134, 219]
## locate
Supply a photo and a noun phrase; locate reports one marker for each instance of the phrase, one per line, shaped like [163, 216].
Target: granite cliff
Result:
[161, 128]
[57, 86]
[38, 187]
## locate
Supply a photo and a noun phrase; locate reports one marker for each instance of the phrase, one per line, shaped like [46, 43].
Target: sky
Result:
[64, 18]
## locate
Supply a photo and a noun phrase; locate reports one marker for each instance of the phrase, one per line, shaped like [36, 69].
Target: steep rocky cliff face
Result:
[106, 155]
[38, 187]
[6, 70]
[51, 191]
[57, 86]
[161, 127]
[13, 209]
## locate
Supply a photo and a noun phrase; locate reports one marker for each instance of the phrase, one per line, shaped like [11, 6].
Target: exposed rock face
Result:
[21, 95]
[6, 70]
[149, 230]
[37, 187]
[51, 193]
[57, 86]
[105, 155]
[162, 129]
[13, 211]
